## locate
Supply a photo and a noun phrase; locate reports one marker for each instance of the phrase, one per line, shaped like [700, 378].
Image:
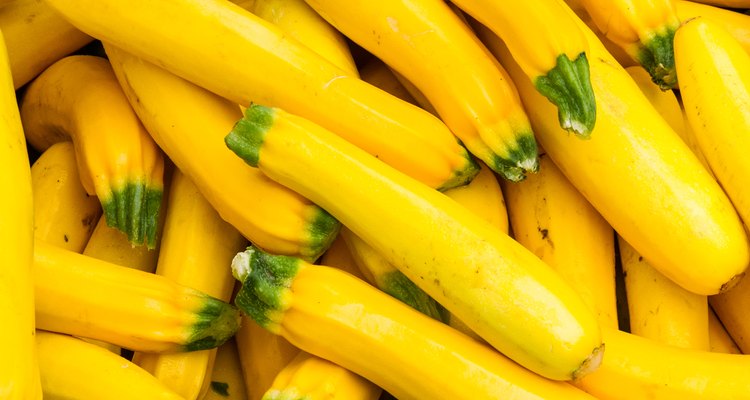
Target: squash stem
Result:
[568, 86]
[217, 322]
[134, 210]
[266, 280]
[657, 56]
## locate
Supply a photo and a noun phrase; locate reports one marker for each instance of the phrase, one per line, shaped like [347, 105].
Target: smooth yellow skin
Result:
[427, 43]
[399, 349]
[36, 36]
[227, 370]
[87, 297]
[640, 368]
[19, 373]
[262, 355]
[72, 369]
[553, 220]
[731, 308]
[642, 178]
[555, 30]
[738, 24]
[625, 59]
[78, 98]
[714, 67]
[110, 245]
[719, 339]
[632, 23]
[500, 290]
[195, 241]
[64, 214]
[658, 308]
[726, 3]
[189, 123]
[303, 24]
[312, 378]
[245, 59]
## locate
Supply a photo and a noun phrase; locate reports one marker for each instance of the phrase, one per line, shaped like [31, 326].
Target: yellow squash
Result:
[262, 355]
[550, 45]
[19, 374]
[83, 296]
[726, 3]
[36, 36]
[111, 245]
[72, 369]
[640, 368]
[643, 179]
[78, 99]
[716, 73]
[195, 241]
[430, 46]
[552, 219]
[719, 339]
[246, 59]
[737, 23]
[644, 29]
[308, 377]
[731, 308]
[500, 290]
[227, 381]
[189, 123]
[302, 23]
[658, 308]
[335, 316]
[64, 214]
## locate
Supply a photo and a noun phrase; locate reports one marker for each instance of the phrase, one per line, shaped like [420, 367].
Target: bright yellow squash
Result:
[189, 123]
[716, 72]
[246, 59]
[19, 374]
[430, 46]
[86, 297]
[79, 99]
[333, 315]
[227, 381]
[500, 290]
[642, 178]
[64, 214]
[644, 29]
[547, 40]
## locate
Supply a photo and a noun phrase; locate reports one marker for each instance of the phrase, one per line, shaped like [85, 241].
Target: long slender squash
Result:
[195, 241]
[19, 373]
[737, 23]
[546, 39]
[308, 377]
[658, 308]
[427, 43]
[64, 214]
[338, 317]
[640, 368]
[303, 24]
[78, 99]
[644, 29]
[36, 36]
[642, 178]
[498, 288]
[189, 123]
[86, 297]
[717, 103]
[72, 369]
[550, 218]
[245, 59]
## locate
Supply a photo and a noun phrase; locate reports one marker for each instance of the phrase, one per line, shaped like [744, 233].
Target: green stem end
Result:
[134, 210]
[246, 137]
[656, 55]
[568, 86]
[217, 322]
[266, 279]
